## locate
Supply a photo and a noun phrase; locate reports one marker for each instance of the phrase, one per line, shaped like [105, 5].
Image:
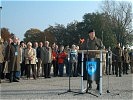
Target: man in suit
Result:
[46, 56]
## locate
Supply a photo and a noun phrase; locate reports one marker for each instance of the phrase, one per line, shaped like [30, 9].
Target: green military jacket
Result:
[118, 54]
[95, 44]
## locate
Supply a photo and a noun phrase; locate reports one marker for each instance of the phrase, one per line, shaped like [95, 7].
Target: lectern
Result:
[99, 54]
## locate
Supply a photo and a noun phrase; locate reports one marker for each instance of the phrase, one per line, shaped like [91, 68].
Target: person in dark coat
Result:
[118, 60]
[39, 63]
[13, 57]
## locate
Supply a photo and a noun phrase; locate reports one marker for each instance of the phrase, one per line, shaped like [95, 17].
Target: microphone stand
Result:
[109, 58]
[69, 87]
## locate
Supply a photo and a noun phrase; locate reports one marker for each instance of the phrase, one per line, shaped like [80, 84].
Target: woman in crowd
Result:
[30, 60]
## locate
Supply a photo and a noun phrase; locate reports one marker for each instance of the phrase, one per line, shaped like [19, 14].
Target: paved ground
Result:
[50, 88]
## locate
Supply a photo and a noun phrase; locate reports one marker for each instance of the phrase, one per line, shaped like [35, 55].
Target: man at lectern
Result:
[92, 43]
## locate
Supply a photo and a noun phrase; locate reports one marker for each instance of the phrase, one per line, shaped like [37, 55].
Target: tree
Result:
[32, 35]
[48, 36]
[101, 24]
[5, 34]
[59, 33]
[72, 35]
[120, 14]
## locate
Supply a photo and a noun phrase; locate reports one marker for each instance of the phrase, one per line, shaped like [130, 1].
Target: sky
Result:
[20, 16]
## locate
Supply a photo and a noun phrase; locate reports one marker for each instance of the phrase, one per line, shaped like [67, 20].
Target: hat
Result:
[92, 30]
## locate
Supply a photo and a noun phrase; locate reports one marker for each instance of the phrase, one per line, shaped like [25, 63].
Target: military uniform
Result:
[126, 61]
[95, 44]
[118, 60]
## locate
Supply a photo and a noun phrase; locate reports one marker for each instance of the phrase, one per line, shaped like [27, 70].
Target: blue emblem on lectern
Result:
[91, 67]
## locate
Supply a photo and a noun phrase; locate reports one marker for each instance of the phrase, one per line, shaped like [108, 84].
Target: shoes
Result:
[48, 77]
[120, 76]
[60, 75]
[28, 77]
[10, 80]
[55, 75]
[34, 77]
[15, 80]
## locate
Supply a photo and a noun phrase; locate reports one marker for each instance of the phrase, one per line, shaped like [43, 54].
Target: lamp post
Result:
[0, 20]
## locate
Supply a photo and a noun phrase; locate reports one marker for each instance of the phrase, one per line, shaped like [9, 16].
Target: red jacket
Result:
[61, 57]
[54, 55]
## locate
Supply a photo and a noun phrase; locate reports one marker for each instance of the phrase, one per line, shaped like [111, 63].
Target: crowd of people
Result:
[33, 60]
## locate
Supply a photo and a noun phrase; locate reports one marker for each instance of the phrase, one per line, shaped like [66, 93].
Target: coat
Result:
[12, 57]
[46, 55]
[118, 54]
[32, 54]
[1, 53]
[126, 57]
[95, 44]
[61, 56]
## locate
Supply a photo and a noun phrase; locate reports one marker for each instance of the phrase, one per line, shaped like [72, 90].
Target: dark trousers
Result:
[29, 67]
[125, 68]
[47, 69]
[79, 67]
[1, 66]
[118, 68]
[113, 68]
[2, 71]
[23, 69]
[61, 69]
[12, 76]
[55, 67]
